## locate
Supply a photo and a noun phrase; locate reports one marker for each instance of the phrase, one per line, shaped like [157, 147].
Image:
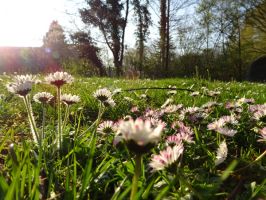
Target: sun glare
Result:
[25, 22]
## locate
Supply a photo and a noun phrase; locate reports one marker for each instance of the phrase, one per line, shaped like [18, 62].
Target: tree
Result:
[205, 21]
[255, 15]
[143, 20]
[163, 34]
[169, 20]
[87, 50]
[54, 41]
[225, 19]
[107, 17]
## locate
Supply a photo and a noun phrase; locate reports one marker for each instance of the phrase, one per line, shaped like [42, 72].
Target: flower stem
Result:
[136, 177]
[66, 117]
[59, 139]
[32, 122]
[43, 120]
[252, 163]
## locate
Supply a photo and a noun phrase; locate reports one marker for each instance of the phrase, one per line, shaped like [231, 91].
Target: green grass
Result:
[89, 166]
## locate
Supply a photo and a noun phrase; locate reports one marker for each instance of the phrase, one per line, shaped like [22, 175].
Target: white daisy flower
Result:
[229, 119]
[226, 131]
[69, 99]
[244, 100]
[221, 153]
[59, 78]
[143, 96]
[128, 99]
[106, 127]
[209, 104]
[109, 102]
[42, 97]
[22, 85]
[172, 92]
[196, 93]
[216, 124]
[262, 133]
[25, 78]
[174, 139]
[191, 110]
[140, 134]
[102, 94]
[167, 157]
[134, 109]
[172, 108]
[213, 93]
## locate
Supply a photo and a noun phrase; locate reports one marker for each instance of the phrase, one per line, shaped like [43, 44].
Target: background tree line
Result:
[215, 39]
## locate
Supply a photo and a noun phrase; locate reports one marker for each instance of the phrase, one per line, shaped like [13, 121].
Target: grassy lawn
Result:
[211, 143]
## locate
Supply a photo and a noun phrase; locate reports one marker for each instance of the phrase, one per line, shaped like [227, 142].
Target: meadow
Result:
[104, 138]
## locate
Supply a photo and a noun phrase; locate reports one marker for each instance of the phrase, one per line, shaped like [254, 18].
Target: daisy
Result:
[42, 97]
[128, 99]
[185, 137]
[263, 135]
[59, 78]
[174, 140]
[209, 104]
[180, 127]
[191, 110]
[226, 131]
[229, 119]
[25, 78]
[143, 96]
[140, 135]
[172, 108]
[213, 93]
[232, 105]
[244, 100]
[106, 127]
[221, 153]
[193, 94]
[216, 124]
[21, 89]
[257, 111]
[149, 113]
[172, 92]
[259, 114]
[167, 157]
[156, 121]
[22, 85]
[102, 94]
[134, 109]
[109, 102]
[70, 99]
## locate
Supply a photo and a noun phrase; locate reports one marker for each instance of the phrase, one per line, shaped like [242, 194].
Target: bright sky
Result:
[25, 22]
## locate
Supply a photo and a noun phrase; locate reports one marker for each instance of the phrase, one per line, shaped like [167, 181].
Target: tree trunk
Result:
[121, 57]
[163, 29]
[239, 52]
[167, 55]
[141, 41]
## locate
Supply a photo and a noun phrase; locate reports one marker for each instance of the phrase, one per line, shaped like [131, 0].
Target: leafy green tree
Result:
[87, 50]
[55, 42]
[254, 30]
[143, 20]
[107, 17]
